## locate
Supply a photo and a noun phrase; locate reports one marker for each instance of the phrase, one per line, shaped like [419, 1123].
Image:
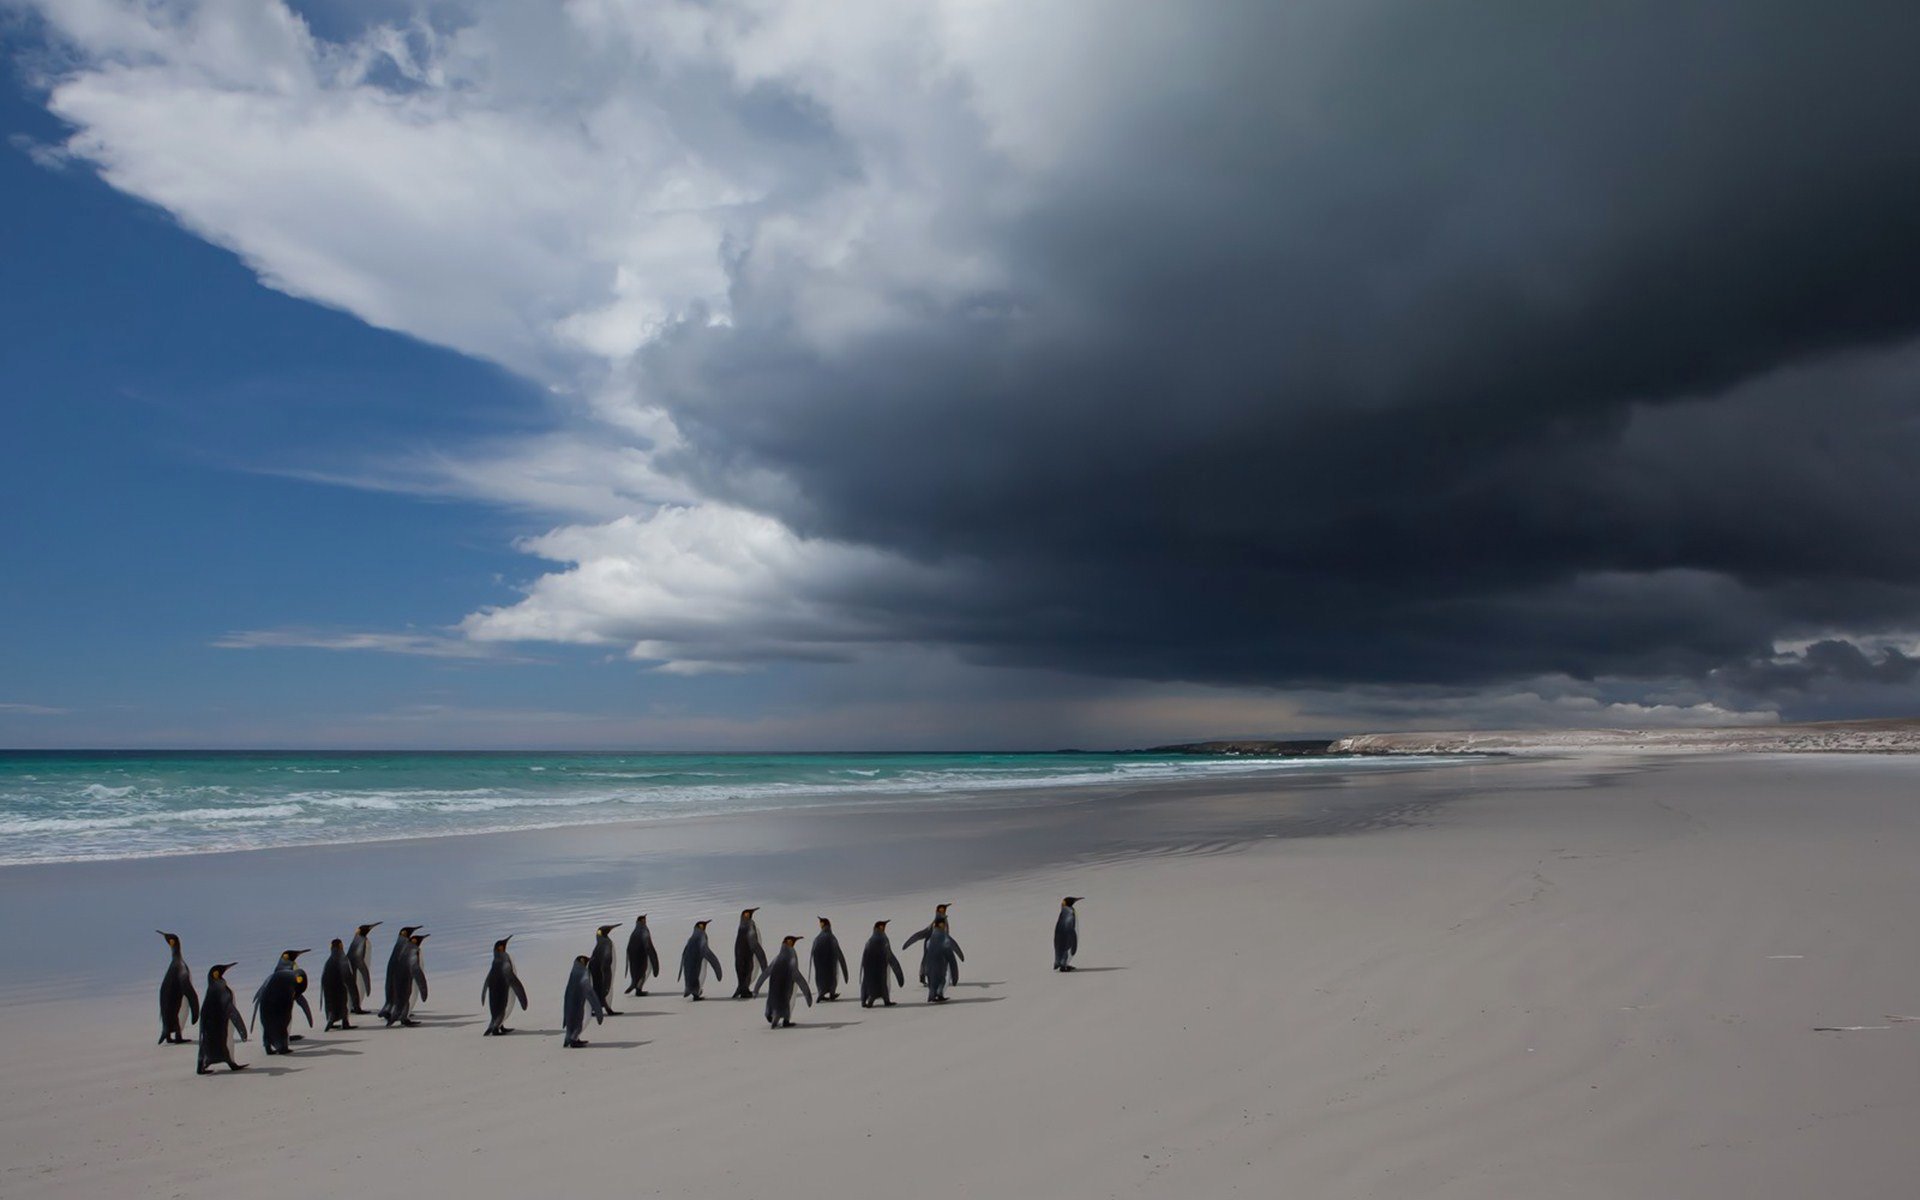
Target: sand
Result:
[1582, 978]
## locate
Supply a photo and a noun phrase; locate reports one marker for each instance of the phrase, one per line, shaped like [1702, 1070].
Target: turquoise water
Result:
[58, 807]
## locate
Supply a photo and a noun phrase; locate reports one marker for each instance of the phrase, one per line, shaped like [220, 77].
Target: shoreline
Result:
[1568, 977]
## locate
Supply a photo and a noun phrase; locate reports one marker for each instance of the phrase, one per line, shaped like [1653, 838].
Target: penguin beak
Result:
[506, 939]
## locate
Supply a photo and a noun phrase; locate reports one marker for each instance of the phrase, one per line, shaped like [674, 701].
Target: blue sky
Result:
[892, 374]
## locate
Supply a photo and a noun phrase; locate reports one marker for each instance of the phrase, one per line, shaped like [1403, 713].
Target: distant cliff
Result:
[1890, 736]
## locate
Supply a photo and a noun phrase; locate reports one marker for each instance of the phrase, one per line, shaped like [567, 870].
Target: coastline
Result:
[1553, 977]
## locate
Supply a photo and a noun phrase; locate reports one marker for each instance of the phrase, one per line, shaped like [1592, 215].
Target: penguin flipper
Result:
[193, 1003]
[804, 989]
[239, 1022]
[653, 959]
[599, 1009]
[957, 951]
[899, 976]
[714, 959]
[520, 990]
[302, 1002]
[916, 937]
[763, 982]
[420, 981]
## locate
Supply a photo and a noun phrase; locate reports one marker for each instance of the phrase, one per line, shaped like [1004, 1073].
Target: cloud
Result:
[424, 645]
[32, 710]
[1332, 347]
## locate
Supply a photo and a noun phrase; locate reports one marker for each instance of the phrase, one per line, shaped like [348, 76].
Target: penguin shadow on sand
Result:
[955, 1000]
[592, 1043]
[822, 1024]
[443, 1021]
[1091, 970]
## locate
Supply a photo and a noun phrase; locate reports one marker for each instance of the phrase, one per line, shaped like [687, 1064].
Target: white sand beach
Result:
[1597, 977]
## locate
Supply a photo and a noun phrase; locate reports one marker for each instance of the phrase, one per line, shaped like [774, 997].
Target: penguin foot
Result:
[888, 1003]
[501, 1030]
[1065, 967]
[296, 1037]
[409, 1022]
[359, 1012]
[203, 1069]
[234, 1066]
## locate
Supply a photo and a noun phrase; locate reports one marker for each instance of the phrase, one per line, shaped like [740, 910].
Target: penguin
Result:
[939, 914]
[176, 987]
[1066, 934]
[779, 978]
[501, 988]
[217, 1012]
[285, 987]
[943, 960]
[580, 996]
[695, 959]
[359, 980]
[601, 962]
[875, 961]
[405, 977]
[399, 983]
[747, 954]
[829, 962]
[642, 958]
[336, 986]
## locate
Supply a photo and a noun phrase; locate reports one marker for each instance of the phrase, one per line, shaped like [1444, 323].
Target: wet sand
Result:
[1531, 978]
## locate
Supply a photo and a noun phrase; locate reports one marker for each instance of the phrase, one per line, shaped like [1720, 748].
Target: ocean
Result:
[80, 806]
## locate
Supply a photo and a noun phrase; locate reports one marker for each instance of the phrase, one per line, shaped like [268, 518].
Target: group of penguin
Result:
[345, 980]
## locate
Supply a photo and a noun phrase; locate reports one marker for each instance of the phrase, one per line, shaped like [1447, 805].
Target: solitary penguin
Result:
[1066, 934]
[176, 988]
[336, 986]
[780, 978]
[600, 967]
[359, 980]
[829, 963]
[501, 988]
[285, 987]
[399, 982]
[694, 960]
[943, 960]
[642, 958]
[747, 954]
[579, 997]
[939, 914]
[875, 961]
[217, 1012]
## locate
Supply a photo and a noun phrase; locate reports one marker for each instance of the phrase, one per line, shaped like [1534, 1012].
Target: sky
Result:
[907, 374]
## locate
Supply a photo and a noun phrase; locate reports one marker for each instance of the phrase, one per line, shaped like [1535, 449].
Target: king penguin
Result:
[336, 986]
[399, 981]
[780, 978]
[405, 978]
[285, 986]
[694, 960]
[359, 979]
[939, 914]
[501, 988]
[600, 965]
[176, 988]
[875, 961]
[747, 954]
[943, 960]
[578, 998]
[1066, 934]
[217, 1012]
[829, 962]
[642, 958]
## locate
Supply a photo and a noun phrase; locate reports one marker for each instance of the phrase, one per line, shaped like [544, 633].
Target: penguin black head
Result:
[789, 940]
[746, 914]
[825, 924]
[219, 970]
[500, 946]
[607, 929]
[172, 939]
[641, 919]
[939, 922]
[336, 944]
[406, 931]
[1070, 901]
[291, 955]
[581, 960]
[940, 910]
[364, 930]
[701, 924]
[417, 938]
[879, 926]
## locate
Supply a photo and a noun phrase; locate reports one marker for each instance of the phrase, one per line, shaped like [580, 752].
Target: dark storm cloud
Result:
[1425, 343]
